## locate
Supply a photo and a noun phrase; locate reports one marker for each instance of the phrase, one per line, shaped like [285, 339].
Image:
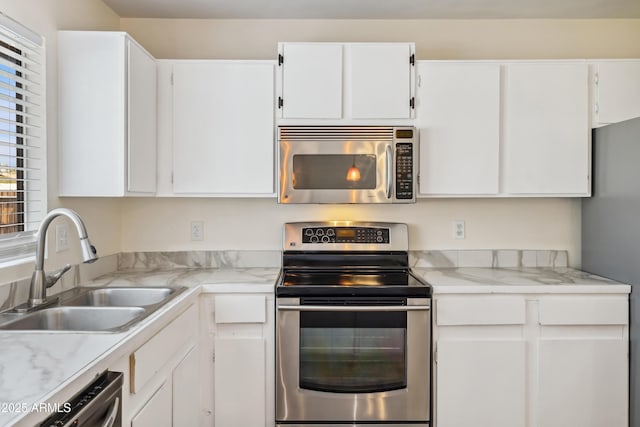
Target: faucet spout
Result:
[39, 280]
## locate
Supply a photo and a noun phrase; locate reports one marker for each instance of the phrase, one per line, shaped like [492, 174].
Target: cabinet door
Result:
[583, 383]
[379, 80]
[141, 168]
[480, 383]
[618, 91]
[92, 110]
[186, 391]
[546, 129]
[312, 81]
[223, 127]
[458, 115]
[240, 382]
[157, 411]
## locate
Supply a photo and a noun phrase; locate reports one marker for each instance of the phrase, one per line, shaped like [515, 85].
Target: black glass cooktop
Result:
[310, 282]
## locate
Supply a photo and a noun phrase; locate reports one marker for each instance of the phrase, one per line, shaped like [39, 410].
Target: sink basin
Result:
[122, 297]
[89, 309]
[76, 319]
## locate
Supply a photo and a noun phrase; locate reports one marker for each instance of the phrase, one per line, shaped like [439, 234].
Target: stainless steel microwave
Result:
[347, 164]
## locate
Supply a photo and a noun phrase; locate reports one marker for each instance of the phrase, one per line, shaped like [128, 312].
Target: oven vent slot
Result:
[336, 133]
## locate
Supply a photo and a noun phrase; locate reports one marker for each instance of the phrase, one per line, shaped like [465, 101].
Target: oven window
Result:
[334, 172]
[353, 352]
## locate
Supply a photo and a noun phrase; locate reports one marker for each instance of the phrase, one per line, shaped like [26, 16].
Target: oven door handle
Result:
[354, 307]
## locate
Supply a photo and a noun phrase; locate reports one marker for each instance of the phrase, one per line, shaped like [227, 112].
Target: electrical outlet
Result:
[458, 229]
[62, 237]
[197, 230]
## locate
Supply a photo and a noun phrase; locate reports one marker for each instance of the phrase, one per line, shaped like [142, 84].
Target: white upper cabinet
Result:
[379, 80]
[107, 115]
[504, 129]
[311, 81]
[458, 116]
[617, 91]
[546, 129]
[345, 82]
[222, 117]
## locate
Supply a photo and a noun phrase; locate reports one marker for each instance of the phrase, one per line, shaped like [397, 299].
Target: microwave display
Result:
[332, 172]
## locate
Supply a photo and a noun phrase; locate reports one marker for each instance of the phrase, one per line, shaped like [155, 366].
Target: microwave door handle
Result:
[389, 164]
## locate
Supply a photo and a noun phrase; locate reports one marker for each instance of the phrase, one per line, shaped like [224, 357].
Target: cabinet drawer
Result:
[240, 309]
[147, 360]
[590, 311]
[480, 310]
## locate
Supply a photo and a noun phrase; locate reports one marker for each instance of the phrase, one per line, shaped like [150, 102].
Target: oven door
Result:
[353, 360]
[321, 171]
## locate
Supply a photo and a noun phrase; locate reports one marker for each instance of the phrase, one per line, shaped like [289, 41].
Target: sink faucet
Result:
[40, 281]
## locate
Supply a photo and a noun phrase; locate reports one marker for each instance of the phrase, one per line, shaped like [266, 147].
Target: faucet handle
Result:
[52, 278]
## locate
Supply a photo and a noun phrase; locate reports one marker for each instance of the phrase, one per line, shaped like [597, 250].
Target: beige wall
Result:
[45, 17]
[163, 224]
[435, 39]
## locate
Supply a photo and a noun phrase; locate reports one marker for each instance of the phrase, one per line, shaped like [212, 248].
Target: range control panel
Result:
[367, 235]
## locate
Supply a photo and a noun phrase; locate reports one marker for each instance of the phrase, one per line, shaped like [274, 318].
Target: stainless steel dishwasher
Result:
[97, 405]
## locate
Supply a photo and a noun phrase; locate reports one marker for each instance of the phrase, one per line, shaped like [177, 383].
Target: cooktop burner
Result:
[345, 278]
[351, 283]
[343, 258]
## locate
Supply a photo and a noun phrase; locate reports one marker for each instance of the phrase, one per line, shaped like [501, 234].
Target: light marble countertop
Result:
[520, 280]
[38, 367]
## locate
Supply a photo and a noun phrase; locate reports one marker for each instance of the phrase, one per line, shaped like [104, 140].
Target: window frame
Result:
[29, 135]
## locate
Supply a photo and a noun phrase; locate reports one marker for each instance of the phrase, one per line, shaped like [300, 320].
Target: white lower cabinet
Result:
[480, 362]
[185, 380]
[162, 378]
[582, 361]
[239, 381]
[156, 411]
[463, 397]
[531, 360]
[239, 340]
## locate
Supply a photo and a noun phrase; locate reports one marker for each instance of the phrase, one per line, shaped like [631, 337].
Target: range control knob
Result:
[325, 239]
[308, 232]
[331, 232]
[319, 232]
[314, 239]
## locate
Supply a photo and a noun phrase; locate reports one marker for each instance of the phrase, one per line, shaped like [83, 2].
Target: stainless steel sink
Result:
[90, 309]
[76, 319]
[122, 297]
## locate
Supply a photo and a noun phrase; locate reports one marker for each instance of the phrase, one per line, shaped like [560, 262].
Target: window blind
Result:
[22, 138]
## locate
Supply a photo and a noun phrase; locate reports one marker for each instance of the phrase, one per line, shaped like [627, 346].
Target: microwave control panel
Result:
[367, 235]
[404, 170]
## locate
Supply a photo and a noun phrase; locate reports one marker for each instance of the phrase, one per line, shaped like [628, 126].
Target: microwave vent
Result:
[336, 133]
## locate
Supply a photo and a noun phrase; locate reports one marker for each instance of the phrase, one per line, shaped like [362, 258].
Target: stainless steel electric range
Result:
[353, 328]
